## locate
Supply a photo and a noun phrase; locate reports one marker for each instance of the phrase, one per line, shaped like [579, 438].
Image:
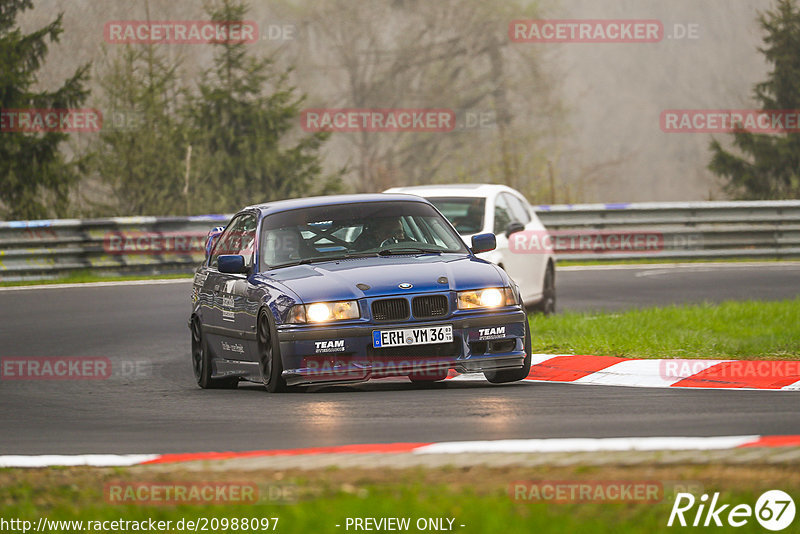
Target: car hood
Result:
[379, 276]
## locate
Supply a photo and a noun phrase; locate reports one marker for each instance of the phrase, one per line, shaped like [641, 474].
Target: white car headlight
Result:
[491, 297]
[320, 312]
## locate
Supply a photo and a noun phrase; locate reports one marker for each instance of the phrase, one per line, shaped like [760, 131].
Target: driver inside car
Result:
[381, 232]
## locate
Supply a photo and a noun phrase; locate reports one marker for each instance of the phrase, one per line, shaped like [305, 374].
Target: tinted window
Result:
[343, 230]
[465, 213]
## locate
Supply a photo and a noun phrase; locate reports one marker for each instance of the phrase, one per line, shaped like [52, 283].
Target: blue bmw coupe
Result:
[342, 289]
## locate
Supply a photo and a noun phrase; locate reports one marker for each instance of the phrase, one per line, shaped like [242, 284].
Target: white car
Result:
[481, 208]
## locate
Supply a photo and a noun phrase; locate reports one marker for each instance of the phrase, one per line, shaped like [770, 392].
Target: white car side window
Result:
[519, 209]
[502, 215]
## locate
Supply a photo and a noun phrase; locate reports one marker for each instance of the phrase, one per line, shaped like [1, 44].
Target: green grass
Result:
[747, 330]
[84, 277]
[323, 505]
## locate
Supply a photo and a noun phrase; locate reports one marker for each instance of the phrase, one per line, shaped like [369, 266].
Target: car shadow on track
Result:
[387, 385]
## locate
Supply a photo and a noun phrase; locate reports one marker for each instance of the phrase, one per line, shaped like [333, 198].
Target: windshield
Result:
[466, 213]
[354, 230]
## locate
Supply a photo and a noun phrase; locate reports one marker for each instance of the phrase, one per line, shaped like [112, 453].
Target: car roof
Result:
[310, 202]
[449, 190]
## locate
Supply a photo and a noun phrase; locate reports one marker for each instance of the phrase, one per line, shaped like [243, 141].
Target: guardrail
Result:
[158, 245]
[32, 250]
[687, 230]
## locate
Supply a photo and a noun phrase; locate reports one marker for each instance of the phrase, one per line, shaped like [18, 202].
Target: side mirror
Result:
[514, 227]
[231, 264]
[483, 243]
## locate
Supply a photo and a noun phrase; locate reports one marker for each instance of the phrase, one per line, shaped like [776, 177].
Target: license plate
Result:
[412, 336]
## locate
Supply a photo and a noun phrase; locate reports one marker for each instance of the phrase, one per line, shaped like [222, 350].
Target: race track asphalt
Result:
[151, 403]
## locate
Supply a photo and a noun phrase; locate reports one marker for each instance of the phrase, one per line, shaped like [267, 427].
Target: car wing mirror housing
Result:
[514, 227]
[231, 264]
[483, 243]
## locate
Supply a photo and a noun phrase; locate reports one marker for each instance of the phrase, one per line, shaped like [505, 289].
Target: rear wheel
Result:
[269, 355]
[201, 362]
[513, 375]
[547, 305]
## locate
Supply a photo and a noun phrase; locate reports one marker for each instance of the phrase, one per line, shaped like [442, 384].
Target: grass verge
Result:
[479, 498]
[746, 330]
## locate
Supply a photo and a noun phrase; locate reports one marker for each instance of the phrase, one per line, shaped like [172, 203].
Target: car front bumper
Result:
[344, 353]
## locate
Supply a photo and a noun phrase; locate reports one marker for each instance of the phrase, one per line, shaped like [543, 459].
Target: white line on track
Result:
[675, 266]
[549, 445]
[587, 445]
[94, 460]
[100, 284]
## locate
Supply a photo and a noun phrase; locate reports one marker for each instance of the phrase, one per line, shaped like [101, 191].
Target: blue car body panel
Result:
[227, 306]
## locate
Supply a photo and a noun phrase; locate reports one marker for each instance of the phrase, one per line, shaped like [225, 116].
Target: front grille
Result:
[390, 310]
[429, 306]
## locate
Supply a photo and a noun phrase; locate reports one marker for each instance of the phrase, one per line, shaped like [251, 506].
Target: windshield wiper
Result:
[320, 259]
[408, 250]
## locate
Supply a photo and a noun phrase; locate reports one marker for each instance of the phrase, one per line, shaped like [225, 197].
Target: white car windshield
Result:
[466, 213]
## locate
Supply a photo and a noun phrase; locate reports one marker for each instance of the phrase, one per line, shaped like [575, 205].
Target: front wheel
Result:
[201, 362]
[513, 375]
[269, 356]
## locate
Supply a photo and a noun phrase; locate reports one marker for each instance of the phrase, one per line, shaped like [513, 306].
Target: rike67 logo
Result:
[774, 510]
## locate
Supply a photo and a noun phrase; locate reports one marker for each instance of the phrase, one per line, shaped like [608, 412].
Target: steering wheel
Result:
[389, 241]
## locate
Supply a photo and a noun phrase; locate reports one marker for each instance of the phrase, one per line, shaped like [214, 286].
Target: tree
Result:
[35, 177]
[143, 143]
[769, 167]
[448, 54]
[243, 116]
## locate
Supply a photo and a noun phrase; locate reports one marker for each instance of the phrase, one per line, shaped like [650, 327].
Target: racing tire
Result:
[269, 355]
[547, 305]
[201, 362]
[514, 375]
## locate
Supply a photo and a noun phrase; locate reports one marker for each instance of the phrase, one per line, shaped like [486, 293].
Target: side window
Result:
[502, 215]
[519, 210]
[239, 238]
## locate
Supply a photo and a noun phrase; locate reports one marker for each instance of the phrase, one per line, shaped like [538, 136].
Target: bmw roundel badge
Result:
[405, 285]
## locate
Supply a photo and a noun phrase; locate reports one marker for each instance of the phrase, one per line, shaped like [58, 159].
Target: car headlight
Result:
[491, 297]
[321, 312]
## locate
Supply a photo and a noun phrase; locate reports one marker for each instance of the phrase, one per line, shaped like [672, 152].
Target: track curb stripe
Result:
[551, 445]
[377, 448]
[775, 375]
[571, 368]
